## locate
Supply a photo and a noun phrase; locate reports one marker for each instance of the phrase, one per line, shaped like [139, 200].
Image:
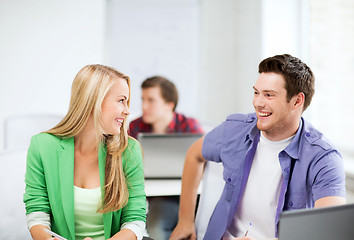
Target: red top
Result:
[179, 124]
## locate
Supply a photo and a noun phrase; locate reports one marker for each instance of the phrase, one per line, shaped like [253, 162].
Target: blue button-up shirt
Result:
[312, 168]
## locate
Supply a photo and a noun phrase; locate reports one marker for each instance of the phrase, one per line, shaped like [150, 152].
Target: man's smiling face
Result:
[275, 115]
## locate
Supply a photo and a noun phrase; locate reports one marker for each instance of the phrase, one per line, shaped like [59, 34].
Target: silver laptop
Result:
[164, 154]
[318, 224]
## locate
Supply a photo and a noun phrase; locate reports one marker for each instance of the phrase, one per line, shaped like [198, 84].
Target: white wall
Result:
[235, 37]
[282, 27]
[332, 59]
[209, 48]
[43, 44]
[230, 48]
[156, 37]
[213, 62]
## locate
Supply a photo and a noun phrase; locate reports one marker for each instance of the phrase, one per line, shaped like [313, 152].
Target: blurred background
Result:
[209, 48]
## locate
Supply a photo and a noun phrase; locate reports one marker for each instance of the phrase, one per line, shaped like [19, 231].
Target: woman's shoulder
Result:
[132, 140]
[44, 144]
[133, 144]
[46, 139]
[132, 156]
[43, 136]
[133, 149]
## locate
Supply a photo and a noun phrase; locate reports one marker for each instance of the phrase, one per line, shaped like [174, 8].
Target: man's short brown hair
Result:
[168, 89]
[298, 76]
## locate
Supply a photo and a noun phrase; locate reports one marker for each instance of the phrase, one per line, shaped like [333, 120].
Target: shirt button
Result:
[286, 170]
[229, 179]
[308, 134]
[291, 203]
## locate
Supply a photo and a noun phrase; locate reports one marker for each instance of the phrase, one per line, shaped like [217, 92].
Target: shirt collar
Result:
[292, 149]
[254, 132]
[172, 124]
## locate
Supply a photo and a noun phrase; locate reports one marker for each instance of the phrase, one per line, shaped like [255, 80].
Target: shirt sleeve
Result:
[38, 218]
[135, 210]
[328, 176]
[36, 196]
[212, 143]
[136, 226]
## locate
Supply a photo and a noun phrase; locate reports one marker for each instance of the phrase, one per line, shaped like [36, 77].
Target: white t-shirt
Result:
[259, 202]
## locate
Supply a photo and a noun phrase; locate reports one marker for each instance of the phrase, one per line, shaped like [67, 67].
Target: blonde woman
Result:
[84, 177]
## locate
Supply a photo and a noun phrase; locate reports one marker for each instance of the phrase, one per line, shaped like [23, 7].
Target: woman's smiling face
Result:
[115, 107]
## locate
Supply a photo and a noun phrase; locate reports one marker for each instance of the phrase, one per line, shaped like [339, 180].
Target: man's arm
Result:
[191, 177]
[330, 201]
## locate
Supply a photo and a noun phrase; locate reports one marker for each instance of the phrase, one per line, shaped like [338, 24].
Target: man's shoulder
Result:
[315, 137]
[242, 118]
[183, 119]
[237, 126]
[180, 117]
[136, 121]
[136, 126]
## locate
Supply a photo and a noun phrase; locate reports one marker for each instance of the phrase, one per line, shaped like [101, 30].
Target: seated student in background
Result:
[273, 159]
[159, 101]
[84, 177]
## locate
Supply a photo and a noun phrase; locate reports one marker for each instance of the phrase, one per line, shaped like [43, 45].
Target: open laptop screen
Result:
[164, 154]
[318, 224]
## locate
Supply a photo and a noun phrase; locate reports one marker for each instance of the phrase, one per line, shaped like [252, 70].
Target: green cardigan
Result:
[50, 184]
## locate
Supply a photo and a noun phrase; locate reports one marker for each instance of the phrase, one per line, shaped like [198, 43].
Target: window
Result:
[331, 55]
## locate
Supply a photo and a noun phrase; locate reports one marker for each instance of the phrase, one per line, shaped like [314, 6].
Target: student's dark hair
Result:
[298, 76]
[168, 89]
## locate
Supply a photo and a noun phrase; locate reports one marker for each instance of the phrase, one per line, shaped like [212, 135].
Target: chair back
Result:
[213, 185]
[20, 129]
[13, 222]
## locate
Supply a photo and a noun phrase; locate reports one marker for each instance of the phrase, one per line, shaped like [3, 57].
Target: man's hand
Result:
[184, 231]
[191, 177]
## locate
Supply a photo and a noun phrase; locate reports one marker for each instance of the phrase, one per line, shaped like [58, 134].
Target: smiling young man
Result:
[159, 101]
[273, 159]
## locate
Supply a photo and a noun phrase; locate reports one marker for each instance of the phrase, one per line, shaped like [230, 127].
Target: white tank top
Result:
[88, 223]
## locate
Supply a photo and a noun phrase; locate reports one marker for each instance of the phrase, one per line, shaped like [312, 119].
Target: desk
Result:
[164, 187]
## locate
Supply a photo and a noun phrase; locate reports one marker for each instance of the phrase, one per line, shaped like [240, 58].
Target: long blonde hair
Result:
[89, 88]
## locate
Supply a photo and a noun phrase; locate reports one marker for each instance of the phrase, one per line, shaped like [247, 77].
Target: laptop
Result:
[164, 154]
[318, 224]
